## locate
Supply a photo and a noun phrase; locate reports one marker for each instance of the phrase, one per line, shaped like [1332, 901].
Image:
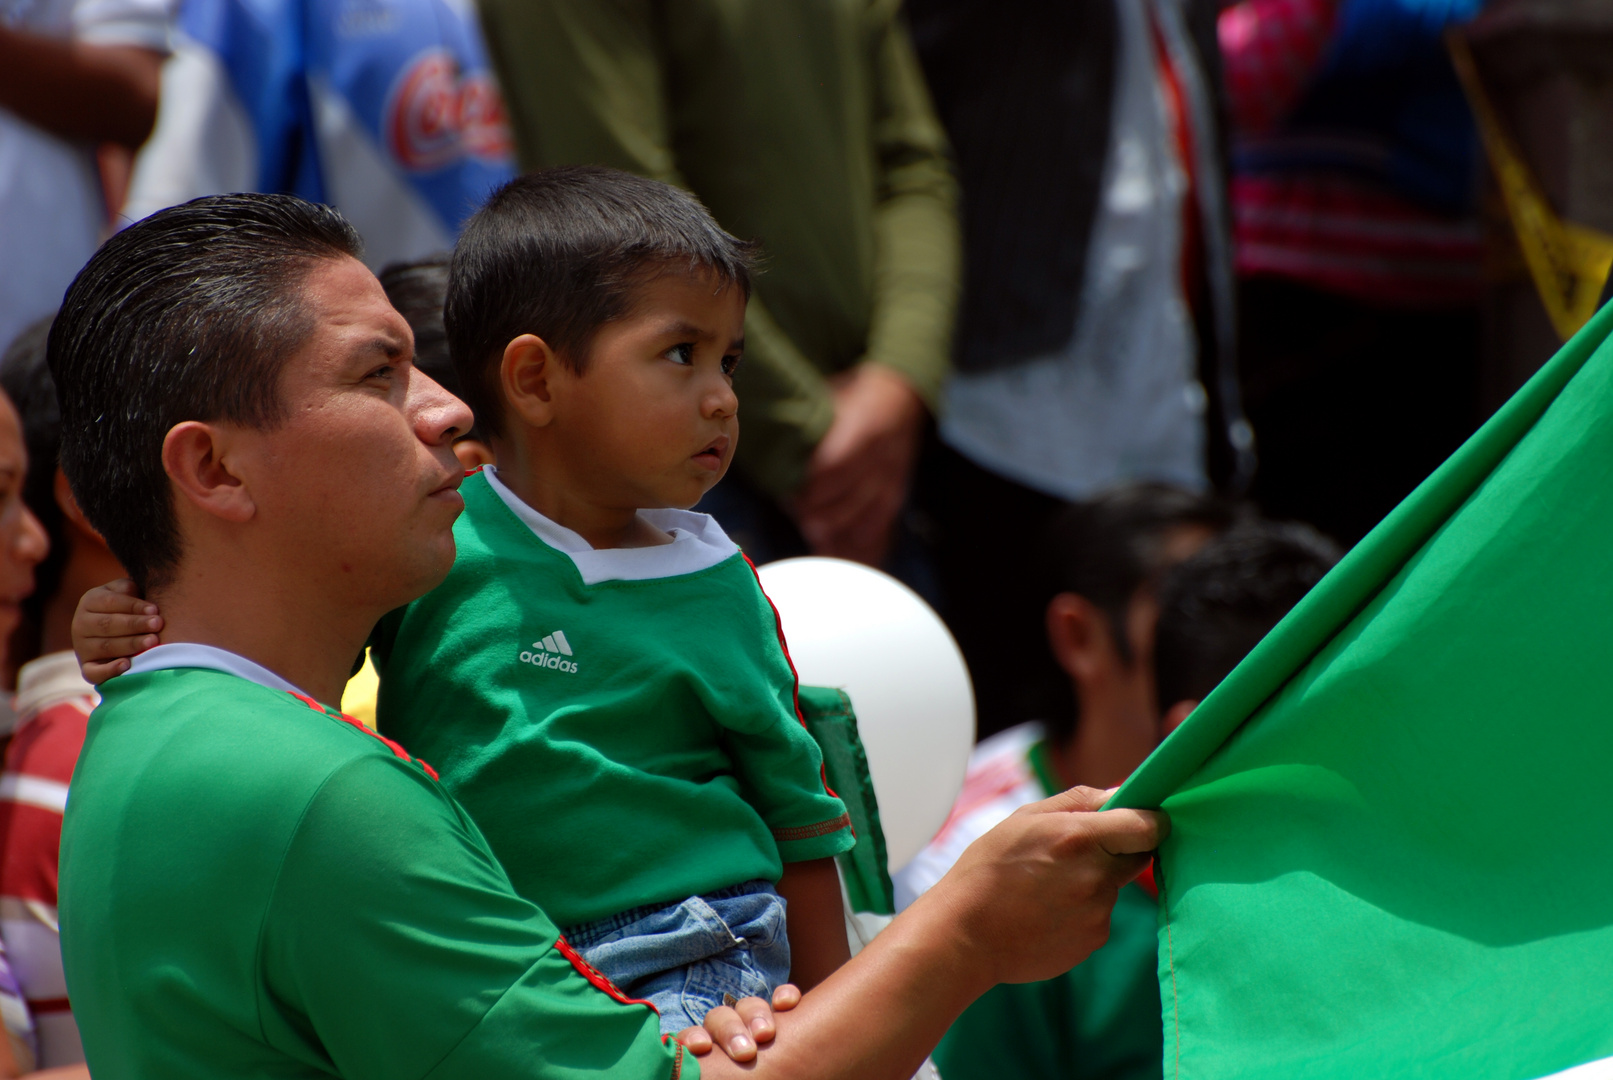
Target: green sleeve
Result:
[394, 941]
[583, 80]
[752, 696]
[918, 247]
[1098, 1021]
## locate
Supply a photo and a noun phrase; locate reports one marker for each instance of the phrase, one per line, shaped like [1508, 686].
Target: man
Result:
[1215, 597]
[1095, 337]
[254, 884]
[74, 75]
[806, 126]
[1360, 253]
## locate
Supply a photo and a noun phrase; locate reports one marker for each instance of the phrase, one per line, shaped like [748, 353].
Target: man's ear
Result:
[1080, 637]
[193, 457]
[527, 374]
[1175, 715]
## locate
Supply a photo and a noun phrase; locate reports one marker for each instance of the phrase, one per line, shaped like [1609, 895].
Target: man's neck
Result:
[1106, 748]
[307, 644]
[569, 504]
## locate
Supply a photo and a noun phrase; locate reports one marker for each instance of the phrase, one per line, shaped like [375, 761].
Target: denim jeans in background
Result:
[689, 958]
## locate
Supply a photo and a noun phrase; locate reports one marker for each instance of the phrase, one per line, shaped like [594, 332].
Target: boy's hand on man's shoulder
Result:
[111, 624]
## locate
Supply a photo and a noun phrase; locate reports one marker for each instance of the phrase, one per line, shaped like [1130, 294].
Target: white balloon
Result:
[862, 631]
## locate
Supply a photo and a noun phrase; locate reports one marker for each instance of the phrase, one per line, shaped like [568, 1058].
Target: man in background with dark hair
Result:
[1205, 598]
[1216, 606]
[53, 706]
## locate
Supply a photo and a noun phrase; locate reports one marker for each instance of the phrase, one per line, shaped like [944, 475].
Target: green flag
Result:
[1392, 846]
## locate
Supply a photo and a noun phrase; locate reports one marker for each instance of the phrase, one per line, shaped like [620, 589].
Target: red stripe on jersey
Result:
[795, 677]
[397, 750]
[42, 1006]
[597, 977]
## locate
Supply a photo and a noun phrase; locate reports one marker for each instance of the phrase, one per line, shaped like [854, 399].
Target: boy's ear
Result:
[527, 375]
[193, 458]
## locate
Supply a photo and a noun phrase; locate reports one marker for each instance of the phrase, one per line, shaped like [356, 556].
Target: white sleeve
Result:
[142, 23]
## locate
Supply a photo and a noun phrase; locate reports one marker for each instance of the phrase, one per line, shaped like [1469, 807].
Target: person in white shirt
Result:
[75, 75]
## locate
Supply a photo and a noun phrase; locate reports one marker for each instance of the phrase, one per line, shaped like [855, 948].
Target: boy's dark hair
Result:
[559, 253]
[1109, 547]
[187, 315]
[1217, 605]
[25, 377]
[419, 290]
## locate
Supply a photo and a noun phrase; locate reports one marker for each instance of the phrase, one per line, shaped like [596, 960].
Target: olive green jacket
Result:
[804, 124]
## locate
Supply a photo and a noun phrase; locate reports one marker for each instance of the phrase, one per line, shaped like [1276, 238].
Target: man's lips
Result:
[448, 490]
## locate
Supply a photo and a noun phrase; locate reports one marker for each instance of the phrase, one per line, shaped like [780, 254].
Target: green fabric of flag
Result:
[1392, 846]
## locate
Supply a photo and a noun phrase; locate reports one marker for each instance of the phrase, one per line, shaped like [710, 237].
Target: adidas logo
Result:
[551, 652]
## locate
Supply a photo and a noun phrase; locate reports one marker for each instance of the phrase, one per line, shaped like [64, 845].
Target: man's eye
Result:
[730, 364]
[385, 371]
[681, 354]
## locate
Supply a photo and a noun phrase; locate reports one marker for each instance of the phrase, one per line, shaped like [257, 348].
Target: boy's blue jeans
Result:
[689, 958]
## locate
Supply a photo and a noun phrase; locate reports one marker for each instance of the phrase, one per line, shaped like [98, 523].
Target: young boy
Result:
[598, 655]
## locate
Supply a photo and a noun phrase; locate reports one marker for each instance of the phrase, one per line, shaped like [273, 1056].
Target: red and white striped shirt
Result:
[53, 706]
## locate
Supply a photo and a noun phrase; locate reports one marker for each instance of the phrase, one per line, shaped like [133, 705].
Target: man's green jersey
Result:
[621, 723]
[254, 886]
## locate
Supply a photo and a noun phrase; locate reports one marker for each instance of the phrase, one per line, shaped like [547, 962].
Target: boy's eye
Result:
[730, 364]
[681, 354]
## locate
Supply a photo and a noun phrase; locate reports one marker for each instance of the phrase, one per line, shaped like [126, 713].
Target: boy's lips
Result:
[712, 456]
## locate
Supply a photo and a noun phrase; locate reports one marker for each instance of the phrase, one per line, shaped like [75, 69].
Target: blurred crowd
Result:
[1063, 306]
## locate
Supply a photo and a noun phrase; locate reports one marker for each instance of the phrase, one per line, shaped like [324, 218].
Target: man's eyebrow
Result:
[391, 347]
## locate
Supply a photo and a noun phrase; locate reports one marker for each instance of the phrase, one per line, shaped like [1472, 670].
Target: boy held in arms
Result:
[601, 680]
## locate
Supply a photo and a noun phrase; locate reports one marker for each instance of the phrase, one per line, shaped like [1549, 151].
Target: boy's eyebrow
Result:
[684, 328]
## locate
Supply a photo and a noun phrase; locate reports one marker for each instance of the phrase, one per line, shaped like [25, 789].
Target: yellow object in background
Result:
[1569, 263]
[358, 699]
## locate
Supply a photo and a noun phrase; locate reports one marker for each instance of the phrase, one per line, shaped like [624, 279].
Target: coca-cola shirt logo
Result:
[435, 115]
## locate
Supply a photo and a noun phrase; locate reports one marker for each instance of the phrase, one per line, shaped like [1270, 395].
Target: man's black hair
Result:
[187, 315]
[419, 289]
[560, 253]
[25, 377]
[1108, 548]
[1216, 606]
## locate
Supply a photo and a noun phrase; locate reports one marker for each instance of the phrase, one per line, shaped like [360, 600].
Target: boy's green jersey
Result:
[252, 886]
[621, 723]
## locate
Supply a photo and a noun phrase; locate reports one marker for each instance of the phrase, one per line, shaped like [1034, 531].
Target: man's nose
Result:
[439, 416]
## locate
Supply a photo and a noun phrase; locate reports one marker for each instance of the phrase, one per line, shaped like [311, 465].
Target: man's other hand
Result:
[858, 476]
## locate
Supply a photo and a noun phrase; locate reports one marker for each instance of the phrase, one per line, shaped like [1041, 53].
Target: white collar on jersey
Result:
[189, 654]
[698, 542]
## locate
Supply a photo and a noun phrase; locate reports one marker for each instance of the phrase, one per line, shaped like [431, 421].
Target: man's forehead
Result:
[349, 306]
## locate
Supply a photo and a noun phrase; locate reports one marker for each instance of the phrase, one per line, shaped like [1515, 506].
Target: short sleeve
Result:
[395, 947]
[141, 23]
